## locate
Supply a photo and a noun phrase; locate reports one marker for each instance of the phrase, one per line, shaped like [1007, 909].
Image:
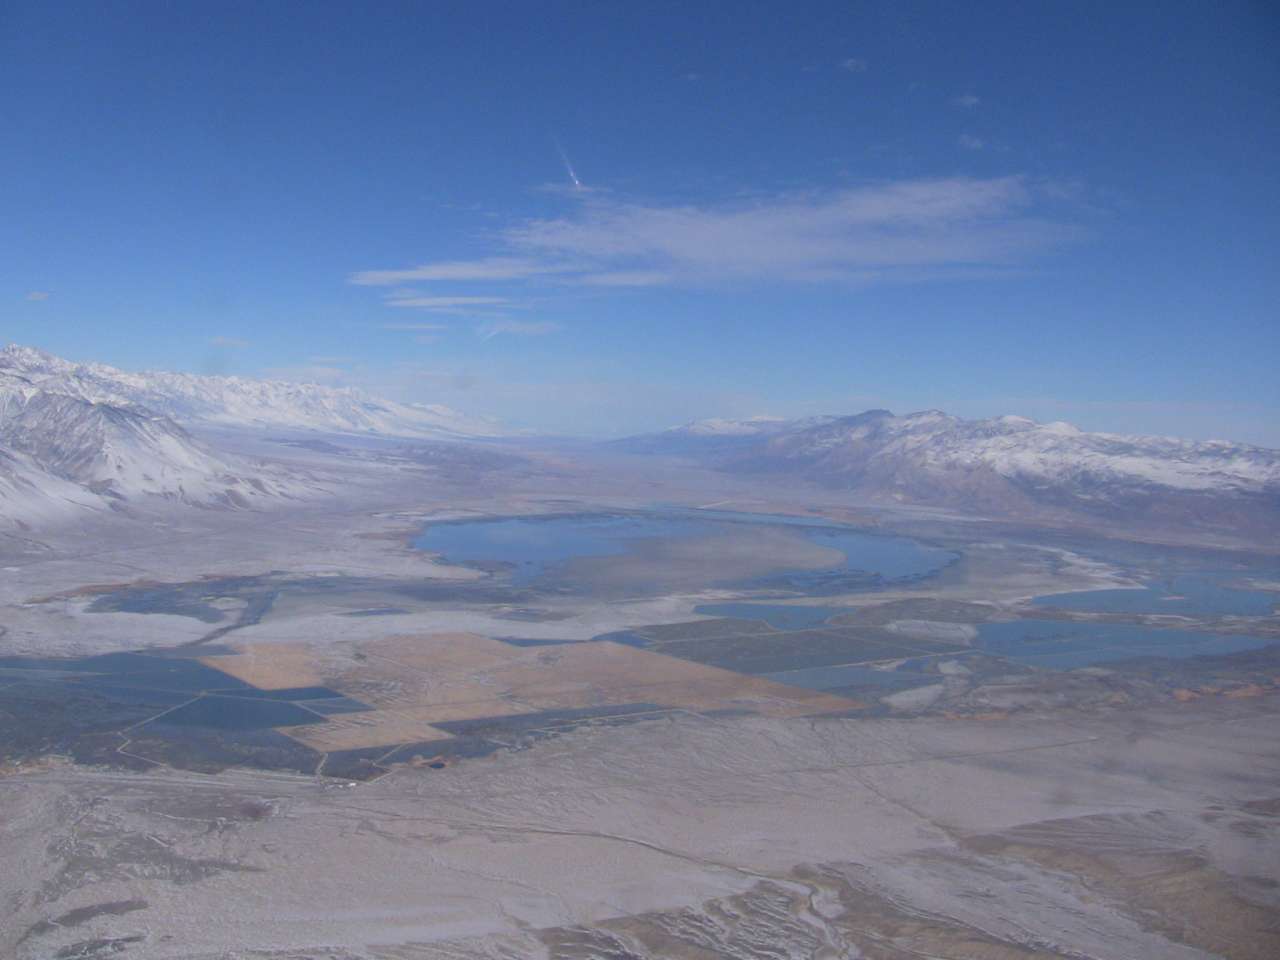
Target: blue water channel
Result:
[1185, 594]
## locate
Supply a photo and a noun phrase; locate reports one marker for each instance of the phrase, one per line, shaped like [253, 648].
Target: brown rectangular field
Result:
[351, 731]
[596, 674]
[271, 666]
[414, 682]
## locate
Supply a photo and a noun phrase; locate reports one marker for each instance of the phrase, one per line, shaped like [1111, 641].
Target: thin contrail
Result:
[577, 184]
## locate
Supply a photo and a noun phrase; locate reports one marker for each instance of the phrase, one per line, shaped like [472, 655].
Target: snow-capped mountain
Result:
[1011, 466]
[122, 453]
[65, 453]
[236, 401]
[879, 444]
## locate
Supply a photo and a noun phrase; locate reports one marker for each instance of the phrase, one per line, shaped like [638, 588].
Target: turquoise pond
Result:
[530, 547]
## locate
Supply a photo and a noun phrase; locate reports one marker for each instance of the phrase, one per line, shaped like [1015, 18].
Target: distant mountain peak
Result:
[31, 356]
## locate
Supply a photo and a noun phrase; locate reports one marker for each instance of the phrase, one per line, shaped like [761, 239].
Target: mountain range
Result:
[1008, 467]
[87, 437]
[236, 401]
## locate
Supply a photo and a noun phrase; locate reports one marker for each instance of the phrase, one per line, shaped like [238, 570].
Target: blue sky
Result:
[1067, 211]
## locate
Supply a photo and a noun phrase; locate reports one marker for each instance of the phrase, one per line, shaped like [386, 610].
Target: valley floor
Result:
[642, 784]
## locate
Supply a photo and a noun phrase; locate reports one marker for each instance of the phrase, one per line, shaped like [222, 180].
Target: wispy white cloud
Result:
[901, 231]
[855, 234]
[519, 328]
[487, 268]
[854, 65]
[448, 304]
[627, 278]
[967, 101]
[970, 142]
[38, 295]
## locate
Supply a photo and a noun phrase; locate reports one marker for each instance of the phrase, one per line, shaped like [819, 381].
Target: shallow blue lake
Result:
[528, 547]
[1064, 645]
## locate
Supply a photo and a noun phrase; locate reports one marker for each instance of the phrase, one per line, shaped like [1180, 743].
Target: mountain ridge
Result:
[1008, 466]
[238, 401]
[65, 454]
[88, 436]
